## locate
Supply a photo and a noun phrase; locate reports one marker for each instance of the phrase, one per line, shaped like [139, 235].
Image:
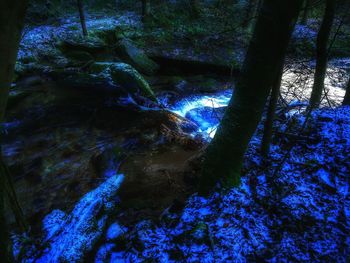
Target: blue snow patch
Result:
[104, 252]
[71, 236]
[114, 231]
[302, 216]
[302, 31]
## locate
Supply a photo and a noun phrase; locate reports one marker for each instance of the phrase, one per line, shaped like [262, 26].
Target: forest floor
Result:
[73, 154]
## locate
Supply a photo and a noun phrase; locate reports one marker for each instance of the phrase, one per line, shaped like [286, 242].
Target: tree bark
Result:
[346, 101]
[305, 13]
[270, 116]
[82, 17]
[258, 7]
[194, 8]
[224, 156]
[322, 53]
[249, 13]
[146, 10]
[12, 13]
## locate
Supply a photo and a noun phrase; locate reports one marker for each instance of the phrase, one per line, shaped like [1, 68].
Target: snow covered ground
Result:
[302, 214]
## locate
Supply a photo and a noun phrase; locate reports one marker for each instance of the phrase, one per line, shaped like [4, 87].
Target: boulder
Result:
[134, 56]
[92, 45]
[130, 79]
[79, 56]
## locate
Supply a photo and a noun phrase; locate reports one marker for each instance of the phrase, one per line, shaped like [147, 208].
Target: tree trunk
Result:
[146, 10]
[12, 13]
[5, 243]
[116, 5]
[82, 17]
[346, 101]
[249, 12]
[194, 8]
[224, 156]
[258, 7]
[305, 13]
[322, 54]
[268, 125]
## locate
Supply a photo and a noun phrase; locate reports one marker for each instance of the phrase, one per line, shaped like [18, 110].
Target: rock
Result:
[80, 56]
[208, 86]
[128, 77]
[71, 236]
[16, 97]
[103, 79]
[109, 35]
[84, 84]
[206, 117]
[92, 45]
[174, 63]
[99, 67]
[25, 70]
[134, 56]
[104, 253]
[326, 179]
[114, 232]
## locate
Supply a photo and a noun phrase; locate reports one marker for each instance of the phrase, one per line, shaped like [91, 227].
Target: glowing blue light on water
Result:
[216, 100]
[205, 121]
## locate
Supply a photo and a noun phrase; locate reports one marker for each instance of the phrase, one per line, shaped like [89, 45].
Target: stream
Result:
[59, 164]
[206, 110]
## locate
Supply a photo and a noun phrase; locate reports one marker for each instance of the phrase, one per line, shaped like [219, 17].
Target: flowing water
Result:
[206, 109]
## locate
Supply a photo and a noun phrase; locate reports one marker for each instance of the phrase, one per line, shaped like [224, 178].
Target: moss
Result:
[73, 27]
[99, 67]
[135, 57]
[128, 77]
[91, 44]
[79, 56]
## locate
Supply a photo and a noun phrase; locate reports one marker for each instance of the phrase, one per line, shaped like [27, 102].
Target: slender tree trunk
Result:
[268, 125]
[116, 5]
[346, 101]
[194, 8]
[249, 12]
[322, 54]
[146, 10]
[258, 7]
[305, 12]
[12, 13]
[82, 17]
[5, 243]
[224, 156]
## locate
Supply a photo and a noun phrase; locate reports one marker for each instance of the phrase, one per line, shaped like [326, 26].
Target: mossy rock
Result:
[128, 77]
[22, 70]
[79, 80]
[123, 75]
[79, 56]
[16, 97]
[92, 45]
[99, 67]
[28, 59]
[109, 36]
[208, 85]
[136, 57]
